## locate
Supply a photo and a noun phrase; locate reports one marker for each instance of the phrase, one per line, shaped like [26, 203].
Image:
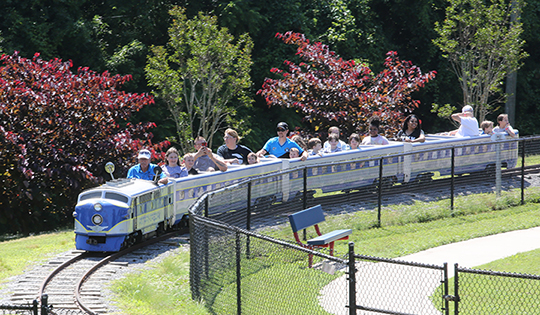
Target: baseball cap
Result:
[144, 154]
[283, 125]
[467, 108]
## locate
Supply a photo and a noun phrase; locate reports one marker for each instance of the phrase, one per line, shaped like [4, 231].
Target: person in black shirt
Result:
[411, 130]
[231, 151]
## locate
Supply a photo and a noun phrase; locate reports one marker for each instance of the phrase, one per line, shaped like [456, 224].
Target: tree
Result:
[483, 45]
[330, 90]
[57, 130]
[201, 74]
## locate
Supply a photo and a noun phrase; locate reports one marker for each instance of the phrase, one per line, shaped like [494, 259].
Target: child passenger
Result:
[294, 153]
[189, 161]
[374, 137]
[504, 125]
[172, 168]
[487, 127]
[354, 141]
[315, 146]
[252, 158]
[333, 141]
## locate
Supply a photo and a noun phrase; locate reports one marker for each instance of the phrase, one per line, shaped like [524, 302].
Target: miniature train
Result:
[124, 211]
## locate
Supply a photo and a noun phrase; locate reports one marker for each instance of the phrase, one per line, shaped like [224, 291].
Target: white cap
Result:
[467, 108]
[144, 154]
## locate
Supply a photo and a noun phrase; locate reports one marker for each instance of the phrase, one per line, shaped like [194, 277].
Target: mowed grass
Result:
[17, 255]
[498, 295]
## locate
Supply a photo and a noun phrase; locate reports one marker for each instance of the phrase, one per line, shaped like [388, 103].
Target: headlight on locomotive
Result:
[98, 207]
[97, 219]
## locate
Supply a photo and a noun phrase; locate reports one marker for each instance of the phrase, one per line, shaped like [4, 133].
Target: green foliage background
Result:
[116, 36]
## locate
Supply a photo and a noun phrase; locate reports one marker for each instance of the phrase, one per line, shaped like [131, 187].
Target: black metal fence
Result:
[37, 308]
[237, 268]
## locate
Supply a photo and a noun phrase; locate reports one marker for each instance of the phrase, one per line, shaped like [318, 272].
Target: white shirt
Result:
[341, 145]
[468, 128]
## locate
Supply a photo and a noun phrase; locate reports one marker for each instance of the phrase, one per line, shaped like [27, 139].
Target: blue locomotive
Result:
[124, 211]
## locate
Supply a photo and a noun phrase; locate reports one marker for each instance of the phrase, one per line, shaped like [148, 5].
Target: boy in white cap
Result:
[469, 124]
[145, 169]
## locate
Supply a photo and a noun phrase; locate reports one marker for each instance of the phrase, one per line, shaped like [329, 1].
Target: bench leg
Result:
[331, 249]
[310, 260]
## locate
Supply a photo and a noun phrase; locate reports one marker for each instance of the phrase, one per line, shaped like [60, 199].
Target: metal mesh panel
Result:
[394, 287]
[486, 292]
[236, 270]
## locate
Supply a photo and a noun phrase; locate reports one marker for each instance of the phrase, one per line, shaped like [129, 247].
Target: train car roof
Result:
[127, 186]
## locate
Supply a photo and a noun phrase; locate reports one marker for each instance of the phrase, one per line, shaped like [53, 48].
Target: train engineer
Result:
[145, 169]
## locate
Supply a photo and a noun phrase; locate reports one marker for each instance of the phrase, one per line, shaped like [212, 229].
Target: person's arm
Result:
[457, 117]
[219, 163]
[261, 153]
[421, 138]
[304, 155]
[510, 131]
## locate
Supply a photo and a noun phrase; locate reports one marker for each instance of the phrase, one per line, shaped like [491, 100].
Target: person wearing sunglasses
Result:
[280, 146]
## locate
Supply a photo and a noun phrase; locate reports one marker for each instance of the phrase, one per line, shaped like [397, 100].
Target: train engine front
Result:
[102, 218]
[121, 212]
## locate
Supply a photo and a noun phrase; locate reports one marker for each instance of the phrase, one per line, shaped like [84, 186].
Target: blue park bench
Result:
[312, 217]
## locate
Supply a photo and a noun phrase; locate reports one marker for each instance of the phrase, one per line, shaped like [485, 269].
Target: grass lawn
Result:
[17, 255]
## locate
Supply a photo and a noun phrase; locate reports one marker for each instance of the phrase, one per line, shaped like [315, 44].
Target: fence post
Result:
[206, 206]
[248, 219]
[238, 275]
[498, 169]
[35, 307]
[456, 290]
[44, 304]
[446, 302]
[522, 172]
[352, 280]
[452, 180]
[304, 196]
[379, 197]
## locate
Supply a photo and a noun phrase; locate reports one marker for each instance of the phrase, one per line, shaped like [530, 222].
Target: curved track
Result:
[76, 283]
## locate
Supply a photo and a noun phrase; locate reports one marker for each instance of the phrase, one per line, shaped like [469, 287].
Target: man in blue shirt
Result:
[145, 169]
[281, 145]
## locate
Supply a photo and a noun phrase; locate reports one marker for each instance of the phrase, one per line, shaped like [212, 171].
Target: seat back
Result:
[306, 218]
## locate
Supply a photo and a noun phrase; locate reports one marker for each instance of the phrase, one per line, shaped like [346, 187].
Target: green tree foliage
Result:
[326, 88]
[483, 45]
[57, 130]
[202, 75]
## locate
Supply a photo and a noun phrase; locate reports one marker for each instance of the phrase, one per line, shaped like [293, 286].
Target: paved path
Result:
[407, 289]
[480, 250]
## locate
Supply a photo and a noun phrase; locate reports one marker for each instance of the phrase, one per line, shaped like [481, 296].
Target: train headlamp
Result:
[97, 219]
[98, 207]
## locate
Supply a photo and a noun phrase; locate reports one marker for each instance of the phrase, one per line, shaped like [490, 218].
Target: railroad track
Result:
[74, 282]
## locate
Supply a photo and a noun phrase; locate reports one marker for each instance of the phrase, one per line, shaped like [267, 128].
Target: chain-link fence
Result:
[237, 269]
[484, 292]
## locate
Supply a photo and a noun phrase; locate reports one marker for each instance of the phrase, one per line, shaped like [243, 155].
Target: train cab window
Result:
[115, 196]
[91, 195]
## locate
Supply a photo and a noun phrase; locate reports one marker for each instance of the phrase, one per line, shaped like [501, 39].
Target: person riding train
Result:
[145, 169]
[281, 145]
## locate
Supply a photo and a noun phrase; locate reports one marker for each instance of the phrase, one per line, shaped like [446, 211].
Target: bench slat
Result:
[306, 218]
[329, 237]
